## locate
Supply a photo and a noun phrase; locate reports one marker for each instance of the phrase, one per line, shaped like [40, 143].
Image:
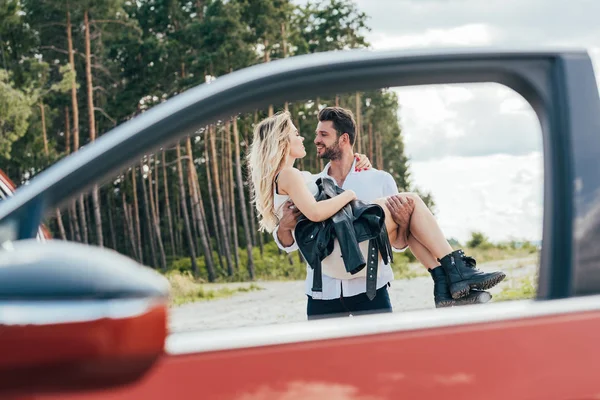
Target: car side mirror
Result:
[75, 317]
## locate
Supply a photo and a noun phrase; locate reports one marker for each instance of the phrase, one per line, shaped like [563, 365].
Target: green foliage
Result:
[328, 25]
[67, 75]
[404, 266]
[186, 289]
[522, 289]
[478, 239]
[15, 109]
[272, 265]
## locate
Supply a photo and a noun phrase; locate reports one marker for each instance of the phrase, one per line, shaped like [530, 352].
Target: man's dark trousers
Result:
[353, 305]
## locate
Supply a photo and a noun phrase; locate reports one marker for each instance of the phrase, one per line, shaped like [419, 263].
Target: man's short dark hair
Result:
[343, 121]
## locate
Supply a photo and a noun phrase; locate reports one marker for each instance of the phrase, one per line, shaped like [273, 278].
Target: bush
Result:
[478, 239]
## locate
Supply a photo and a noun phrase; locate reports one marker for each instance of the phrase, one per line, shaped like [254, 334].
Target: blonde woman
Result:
[276, 146]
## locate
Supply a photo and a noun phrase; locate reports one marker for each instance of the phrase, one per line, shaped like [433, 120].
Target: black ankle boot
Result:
[463, 276]
[443, 298]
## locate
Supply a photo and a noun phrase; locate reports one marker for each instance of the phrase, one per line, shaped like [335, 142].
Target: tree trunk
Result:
[61, 227]
[75, 108]
[83, 220]
[218, 237]
[86, 201]
[186, 219]
[44, 133]
[284, 45]
[73, 217]
[74, 105]
[224, 184]
[149, 224]
[136, 216]
[156, 177]
[236, 244]
[189, 175]
[210, 269]
[168, 205]
[73, 222]
[111, 224]
[129, 223]
[156, 224]
[242, 197]
[178, 219]
[67, 131]
[59, 221]
[220, 212]
[92, 118]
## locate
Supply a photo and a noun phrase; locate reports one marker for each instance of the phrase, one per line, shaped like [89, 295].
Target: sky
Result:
[478, 147]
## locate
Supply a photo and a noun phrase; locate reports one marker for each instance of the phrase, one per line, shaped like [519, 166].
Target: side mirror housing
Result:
[76, 317]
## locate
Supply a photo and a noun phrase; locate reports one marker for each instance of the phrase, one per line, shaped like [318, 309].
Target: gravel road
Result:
[280, 302]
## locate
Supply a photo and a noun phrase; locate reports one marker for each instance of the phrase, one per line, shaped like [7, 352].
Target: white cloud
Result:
[466, 35]
[500, 195]
[466, 120]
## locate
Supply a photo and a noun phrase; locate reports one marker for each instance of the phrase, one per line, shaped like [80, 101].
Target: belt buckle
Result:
[317, 295]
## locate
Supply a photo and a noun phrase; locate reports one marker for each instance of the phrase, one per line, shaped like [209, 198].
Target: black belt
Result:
[372, 265]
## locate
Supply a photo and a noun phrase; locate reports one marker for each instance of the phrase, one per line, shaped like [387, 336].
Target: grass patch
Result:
[519, 289]
[496, 253]
[405, 268]
[186, 289]
[272, 265]
[276, 265]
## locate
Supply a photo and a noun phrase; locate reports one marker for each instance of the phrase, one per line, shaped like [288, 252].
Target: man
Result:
[335, 136]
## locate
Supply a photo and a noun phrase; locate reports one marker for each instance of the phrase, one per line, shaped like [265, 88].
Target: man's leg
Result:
[319, 309]
[360, 304]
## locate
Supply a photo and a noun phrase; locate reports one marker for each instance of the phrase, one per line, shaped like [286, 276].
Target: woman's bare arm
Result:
[291, 182]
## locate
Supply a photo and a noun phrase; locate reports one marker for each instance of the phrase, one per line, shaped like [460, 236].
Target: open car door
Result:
[540, 349]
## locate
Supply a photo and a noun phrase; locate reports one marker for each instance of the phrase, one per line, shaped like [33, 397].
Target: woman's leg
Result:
[423, 226]
[461, 278]
[421, 253]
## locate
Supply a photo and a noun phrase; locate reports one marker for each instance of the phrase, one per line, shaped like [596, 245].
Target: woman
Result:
[276, 146]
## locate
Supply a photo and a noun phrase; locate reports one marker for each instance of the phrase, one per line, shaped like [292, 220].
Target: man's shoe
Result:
[443, 298]
[463, 276]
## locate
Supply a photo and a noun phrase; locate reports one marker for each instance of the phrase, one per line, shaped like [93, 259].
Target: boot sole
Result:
[479, 298]
[444, 304]
[476, 298]
[461, 289]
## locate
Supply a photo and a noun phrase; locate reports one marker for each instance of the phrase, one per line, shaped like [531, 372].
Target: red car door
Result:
[543, 348]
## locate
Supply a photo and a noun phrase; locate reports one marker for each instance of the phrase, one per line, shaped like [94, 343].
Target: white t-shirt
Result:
[368, 186]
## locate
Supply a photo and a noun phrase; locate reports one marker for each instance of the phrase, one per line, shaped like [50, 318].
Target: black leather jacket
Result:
[354, 223]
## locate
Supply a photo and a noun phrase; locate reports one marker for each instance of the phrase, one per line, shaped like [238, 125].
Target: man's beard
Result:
[332, 152]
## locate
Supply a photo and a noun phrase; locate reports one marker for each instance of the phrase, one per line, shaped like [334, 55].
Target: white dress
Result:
[333, 264]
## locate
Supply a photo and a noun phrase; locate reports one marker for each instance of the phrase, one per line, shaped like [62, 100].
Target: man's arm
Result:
[283, 234]
[400, 212]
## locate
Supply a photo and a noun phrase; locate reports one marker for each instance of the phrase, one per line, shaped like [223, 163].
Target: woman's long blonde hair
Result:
[269, 148]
